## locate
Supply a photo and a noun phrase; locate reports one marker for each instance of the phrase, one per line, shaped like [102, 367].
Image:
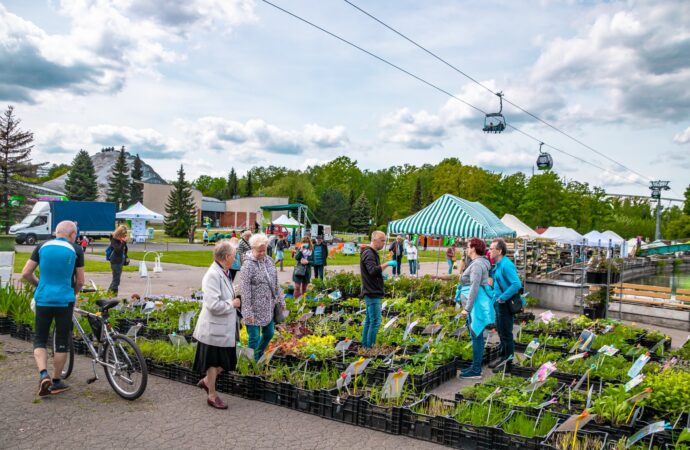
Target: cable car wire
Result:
[440, 89]
[490, 90]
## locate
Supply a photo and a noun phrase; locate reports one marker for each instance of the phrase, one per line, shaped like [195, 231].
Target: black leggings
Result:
[63, 326]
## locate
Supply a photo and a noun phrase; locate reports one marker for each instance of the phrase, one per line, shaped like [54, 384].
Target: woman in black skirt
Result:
[217, 325]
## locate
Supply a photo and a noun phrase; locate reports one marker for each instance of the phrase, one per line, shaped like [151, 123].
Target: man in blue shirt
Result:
[319, 257]
[506, 284]
[61, 264]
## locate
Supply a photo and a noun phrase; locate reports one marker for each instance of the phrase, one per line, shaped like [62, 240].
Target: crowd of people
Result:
[488, 282]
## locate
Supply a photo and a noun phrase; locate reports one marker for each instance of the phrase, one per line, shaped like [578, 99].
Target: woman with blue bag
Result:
[476, 296]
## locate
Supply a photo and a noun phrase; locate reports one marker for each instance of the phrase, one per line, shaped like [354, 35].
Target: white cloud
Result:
[419, 130]
[683, 137]
[502, 160]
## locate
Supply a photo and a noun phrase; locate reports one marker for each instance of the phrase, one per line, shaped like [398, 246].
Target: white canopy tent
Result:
[287, 222]
[597, 239]
[618, 241]
[521, 229]
[139, 214]
[563, 235]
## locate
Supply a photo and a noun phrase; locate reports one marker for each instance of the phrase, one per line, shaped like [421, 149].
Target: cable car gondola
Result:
[495, 122]
[544, 161]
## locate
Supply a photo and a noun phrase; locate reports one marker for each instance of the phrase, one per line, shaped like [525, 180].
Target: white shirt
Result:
[411, 253]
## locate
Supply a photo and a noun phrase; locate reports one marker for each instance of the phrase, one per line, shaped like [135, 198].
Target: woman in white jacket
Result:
[217, 325]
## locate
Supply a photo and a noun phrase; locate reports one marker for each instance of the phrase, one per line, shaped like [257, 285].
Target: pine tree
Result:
[15, 160]
[351, 204]
[250, 188]
[429, 199]
[361, 214]
[136, 189]
[417, 196]
[233, 185]
[686, 204]
[118, 183]
[179, 209]
[81, 179]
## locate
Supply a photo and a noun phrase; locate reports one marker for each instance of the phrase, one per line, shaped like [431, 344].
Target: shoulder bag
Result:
[514, 302]
[280, 313]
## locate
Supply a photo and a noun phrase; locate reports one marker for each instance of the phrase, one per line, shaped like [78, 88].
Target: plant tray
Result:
[307, 401]
[22, 332]
[335, 408]
[243, 386]
[423, 426]
[548, 443]
[6, 325]
[382, 418]
[157, 369]
[468, 437]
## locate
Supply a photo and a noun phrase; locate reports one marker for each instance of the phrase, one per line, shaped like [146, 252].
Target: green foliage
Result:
[521, 424]
[81, 180]
[361, 213]
[15, 162]
[165, 352]
[215, 187]
[333, 209]
[249, 186]
[180, 212]
[478, 415]
[417, 197]
[118, 182]
[233, 186]
[669, 390]
[136, 189]
[612, 406]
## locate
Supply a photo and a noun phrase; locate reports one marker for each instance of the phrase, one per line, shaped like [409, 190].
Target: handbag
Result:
[300, 270]
[515, 302]
[280, 313]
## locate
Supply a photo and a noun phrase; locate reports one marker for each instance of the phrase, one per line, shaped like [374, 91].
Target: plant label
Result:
[343, 345]
[266, 357]
[650, 429]
[245, 352]
[607, 329]
[390, 323]
[543, 372]
[517, 331]
[383, 306]
[335, 316]
[546, 316]
[425, 347]
[669, 363]
[641, 396]
[531, 348]
[408, 329]
[177, 340]
[634, 382]
[320, 309]
[608, 350]
[149, 307]
[549, 402]
[657, 345]
[457, 333]
[357, 367]
[301, 308]
[361, 311]
[577, 356]
[492, 395]
[184, 323]
[335, 295]
[432, 329]
[575, 421]
[638, 365]
[394, 384]
[582, 379]
[436, 305]
[343, 380]
[305, 317]
[586, 340]
[440, 336]
[134, 329]
[589, 397]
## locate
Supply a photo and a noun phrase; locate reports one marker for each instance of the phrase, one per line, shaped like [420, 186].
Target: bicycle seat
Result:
[105, 304]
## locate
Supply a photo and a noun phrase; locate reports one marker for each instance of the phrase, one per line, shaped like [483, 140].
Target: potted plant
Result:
[595, 304]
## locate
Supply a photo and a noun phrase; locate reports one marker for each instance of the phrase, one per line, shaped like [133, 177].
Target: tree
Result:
[180, 213]
[15, 161]
[249, 188]
[118, 182]
[686, 204]
[136, 189]
[233, 186]
[211, 186]
[361, 215]
[417, 196]
[333, 209]
[81, 179]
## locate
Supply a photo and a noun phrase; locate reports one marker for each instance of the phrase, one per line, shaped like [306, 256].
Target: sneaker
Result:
[44, 387]
[469, 376]
[58, 387]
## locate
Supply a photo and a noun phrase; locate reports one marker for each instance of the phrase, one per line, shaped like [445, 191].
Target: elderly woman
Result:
[260, 293]
[476, 296]
[216, 328]
[302, 272]
[118, 256]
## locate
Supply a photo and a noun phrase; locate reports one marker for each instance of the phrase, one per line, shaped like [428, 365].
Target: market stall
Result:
[139, 215]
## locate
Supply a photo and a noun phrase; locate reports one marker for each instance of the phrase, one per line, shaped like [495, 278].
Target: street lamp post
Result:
[656, 187]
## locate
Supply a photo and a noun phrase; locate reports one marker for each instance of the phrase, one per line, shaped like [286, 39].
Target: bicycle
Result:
[122, 361]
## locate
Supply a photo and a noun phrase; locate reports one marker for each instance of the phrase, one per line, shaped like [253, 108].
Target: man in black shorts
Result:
[61, 264]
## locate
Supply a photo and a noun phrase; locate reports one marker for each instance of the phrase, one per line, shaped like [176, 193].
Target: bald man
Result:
[61, 264]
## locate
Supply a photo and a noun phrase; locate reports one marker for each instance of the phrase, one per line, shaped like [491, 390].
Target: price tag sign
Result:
[658, 344]
[531, 348]
[305, 317]
[408, 329]
[634, 382]
[457, 333]
[440, 336]
[608, 350]
[390, 323]
[358, 366]
[549, 402]
[385, 303]
[577, 356]
[343, 380]
[149, 307]
[543, 372]
[343, 345]
[320, 309]
[134, 330]
[638, 365]
[432, 329]
[301, 308]
[575, 421]
[245, 352]
[394, 384]
[492, 395]
[641, 396]
[335, 295]
[650, 429]
[184, 323]
[546, 316]
[178, 341]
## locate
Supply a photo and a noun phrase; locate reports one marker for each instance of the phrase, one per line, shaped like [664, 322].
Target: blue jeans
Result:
[413, 266]
[259, 338]
[396, 269]
[450, 266]
[477, 351]
[372, 321]
[318, 272]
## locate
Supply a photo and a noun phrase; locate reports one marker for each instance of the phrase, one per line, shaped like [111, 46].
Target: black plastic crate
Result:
[342, 409]
[157, 369]
[6, 324]
[243, 386]
[381, 418]
[423, 426]
[276, 393]
[307, 401]
[548, 444]
[22, 332]
[184, 375]
[436, 377]
[468, 437]
[506, 440]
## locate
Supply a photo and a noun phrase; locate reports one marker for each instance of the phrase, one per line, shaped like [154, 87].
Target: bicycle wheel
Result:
[69, 364]
[129, 373]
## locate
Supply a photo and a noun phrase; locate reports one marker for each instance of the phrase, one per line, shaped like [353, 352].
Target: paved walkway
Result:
[170, 415]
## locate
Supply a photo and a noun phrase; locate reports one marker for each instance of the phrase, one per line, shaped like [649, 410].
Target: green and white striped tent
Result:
[454, 217]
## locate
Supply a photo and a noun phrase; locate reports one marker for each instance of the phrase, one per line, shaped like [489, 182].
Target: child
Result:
[84, 243]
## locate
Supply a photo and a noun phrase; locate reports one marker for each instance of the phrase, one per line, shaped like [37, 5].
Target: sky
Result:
[215, 84]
